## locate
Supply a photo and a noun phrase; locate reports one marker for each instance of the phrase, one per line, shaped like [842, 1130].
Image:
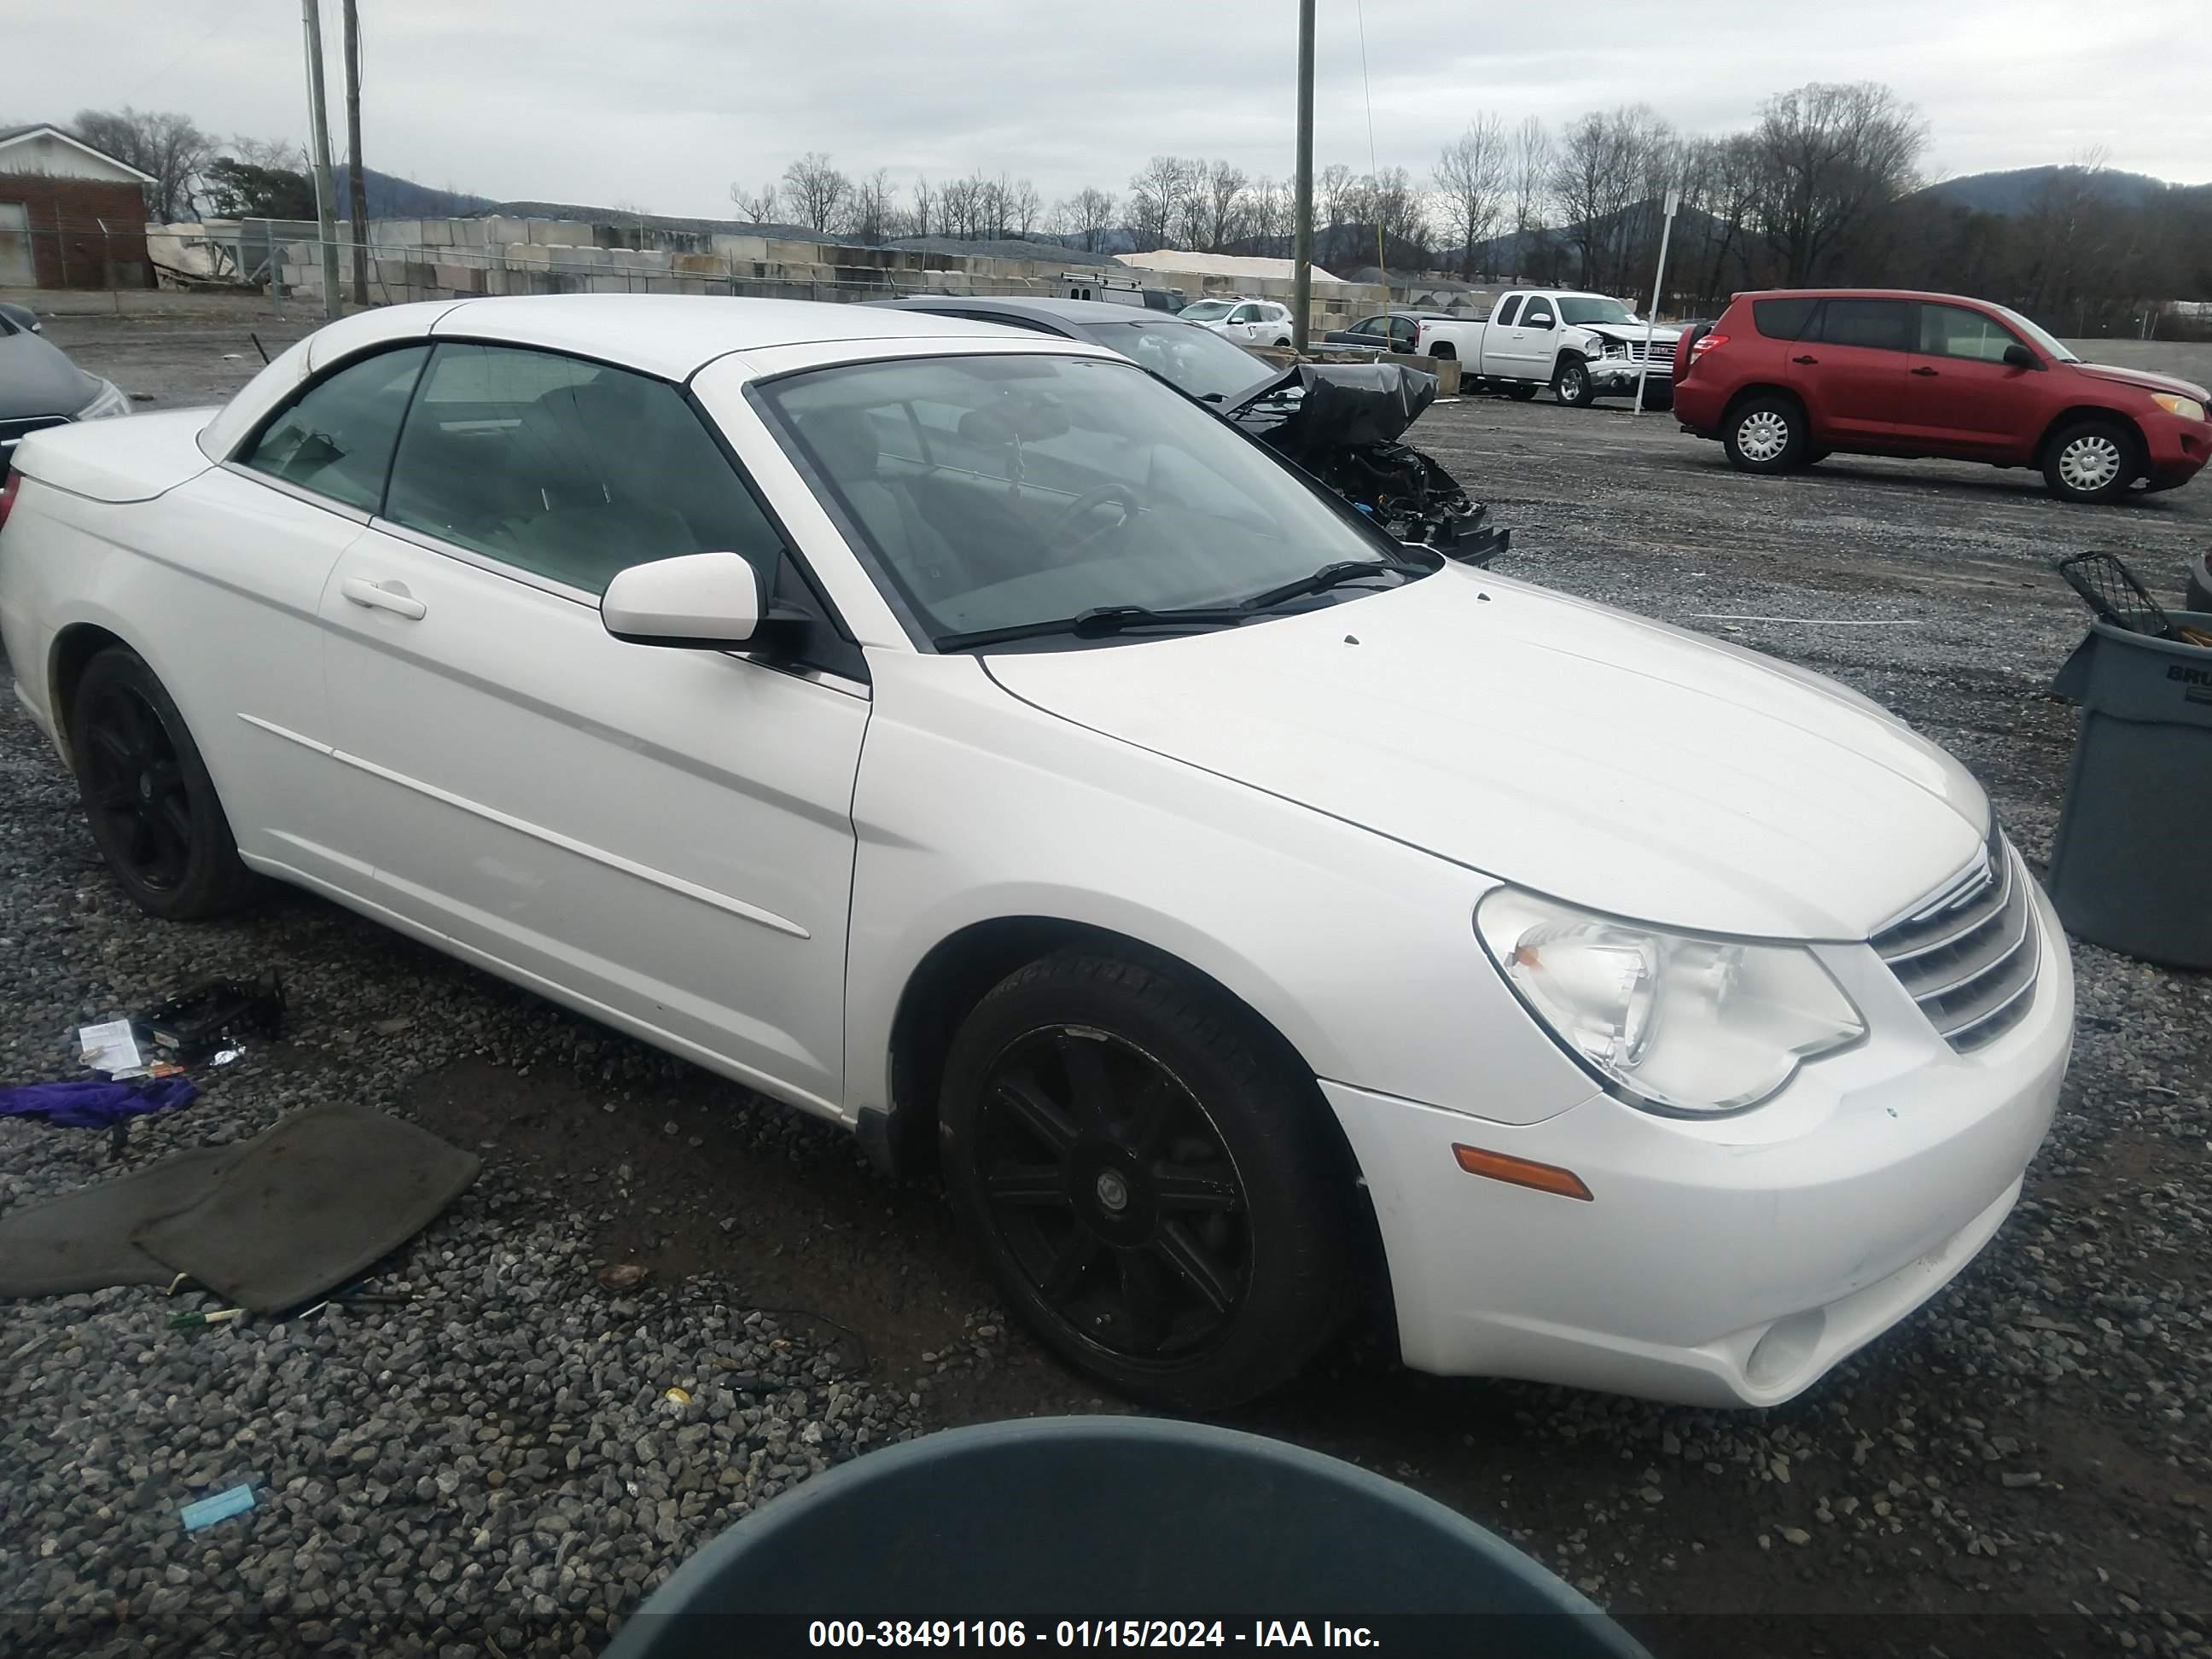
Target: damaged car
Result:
[40, 386]
[1341, 422]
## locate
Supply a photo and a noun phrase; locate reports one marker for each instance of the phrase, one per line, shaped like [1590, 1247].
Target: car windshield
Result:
[2047, 342]
[1590, 308]
[1001, 491]
[1206, 311]
[1193, 359]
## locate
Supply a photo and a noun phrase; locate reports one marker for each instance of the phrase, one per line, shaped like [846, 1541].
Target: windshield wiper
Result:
[1332, 575]
[1097, 622]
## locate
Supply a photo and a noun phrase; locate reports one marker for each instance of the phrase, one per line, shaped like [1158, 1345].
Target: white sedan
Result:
[959, 734]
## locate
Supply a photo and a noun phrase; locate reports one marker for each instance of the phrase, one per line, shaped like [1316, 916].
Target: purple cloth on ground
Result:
[91, 1104]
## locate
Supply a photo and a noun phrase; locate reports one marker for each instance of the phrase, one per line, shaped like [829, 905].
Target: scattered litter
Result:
[207, 1018]
[110, 1047]
[221, 1507]
[231, 356]
[210, 1316]
[623, 1276]
[226, 1057]
[89, 1103]
[1809, 622]
[677, 1396]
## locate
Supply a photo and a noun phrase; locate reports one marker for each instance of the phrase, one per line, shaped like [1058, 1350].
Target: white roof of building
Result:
[1234, 266]
[41, 141]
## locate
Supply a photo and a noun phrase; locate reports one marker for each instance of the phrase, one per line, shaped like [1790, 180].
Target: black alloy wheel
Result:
[1158, 1188]
[1113, 1191]
[146, 794]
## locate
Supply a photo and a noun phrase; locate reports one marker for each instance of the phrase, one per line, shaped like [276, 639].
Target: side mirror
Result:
[1541, 319]
[705, 601]
[2017, 355]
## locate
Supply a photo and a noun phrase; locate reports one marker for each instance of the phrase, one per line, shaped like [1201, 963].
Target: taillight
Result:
[1706, 343]
[8, 494]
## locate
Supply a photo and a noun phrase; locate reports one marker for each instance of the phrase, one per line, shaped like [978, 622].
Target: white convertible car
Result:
[960, 734]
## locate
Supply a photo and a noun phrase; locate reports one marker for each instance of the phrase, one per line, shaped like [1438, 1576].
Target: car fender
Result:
[973, 806]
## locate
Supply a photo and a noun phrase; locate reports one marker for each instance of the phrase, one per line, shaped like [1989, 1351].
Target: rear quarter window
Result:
[1782, 319]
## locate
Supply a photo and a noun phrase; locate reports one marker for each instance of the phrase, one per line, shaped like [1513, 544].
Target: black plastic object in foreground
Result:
[2200, 582]
[1110, 1518]
[192, 1024]
[2132, 868]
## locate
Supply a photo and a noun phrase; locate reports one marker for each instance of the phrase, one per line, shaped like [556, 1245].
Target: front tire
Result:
[146, 794]
[2092, 461]
[1765, 435]
[1572, 384]
[1153, 1190]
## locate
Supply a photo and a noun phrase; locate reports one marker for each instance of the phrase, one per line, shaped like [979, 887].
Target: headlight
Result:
[2187, 408]
[112, 400]
[1671, 1022]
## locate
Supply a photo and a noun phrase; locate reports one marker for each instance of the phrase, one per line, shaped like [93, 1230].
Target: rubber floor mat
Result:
[82, 1241]
[311, 1204]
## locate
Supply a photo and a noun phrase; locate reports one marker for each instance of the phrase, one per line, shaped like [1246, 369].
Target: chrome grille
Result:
[13, 432]
[1969, 956]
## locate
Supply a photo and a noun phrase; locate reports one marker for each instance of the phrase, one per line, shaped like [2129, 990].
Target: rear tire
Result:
[1572, 384]
[1154, 1191]
[1765, 435]
[147, 795]
[2092, 461]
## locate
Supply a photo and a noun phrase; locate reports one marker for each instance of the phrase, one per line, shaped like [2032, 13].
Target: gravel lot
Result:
[2021, 1467]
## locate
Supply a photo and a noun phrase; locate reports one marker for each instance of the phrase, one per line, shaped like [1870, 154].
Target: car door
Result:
[243, 657]
[1529, 344]
[1962, 397]
[1244, 324]
[1404, 332]
[1850, 368]
[1369, 331]
[658, 835]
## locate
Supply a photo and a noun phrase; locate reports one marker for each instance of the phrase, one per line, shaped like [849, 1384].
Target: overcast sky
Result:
[662, 103]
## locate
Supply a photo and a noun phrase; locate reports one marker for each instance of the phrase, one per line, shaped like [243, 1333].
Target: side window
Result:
[1879, 324]
[1508, 311]
[1245, 314]
[1367, 326]
[1955, 332]
[567, 469]
[1402, 331]
[1783, 320]
[336, 439]
[1537, 313]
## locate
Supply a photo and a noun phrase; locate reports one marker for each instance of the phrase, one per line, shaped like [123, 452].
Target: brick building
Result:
[70, 216]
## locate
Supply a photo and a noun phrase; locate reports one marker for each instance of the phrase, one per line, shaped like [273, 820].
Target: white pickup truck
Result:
[1583, 346]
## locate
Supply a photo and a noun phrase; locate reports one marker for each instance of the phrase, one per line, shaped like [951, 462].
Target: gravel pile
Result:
[499, 1458]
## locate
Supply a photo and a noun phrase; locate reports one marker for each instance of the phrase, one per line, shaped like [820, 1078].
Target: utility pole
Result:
[318, 126]
[357, 187]
[1302, 209]
[1658, 286]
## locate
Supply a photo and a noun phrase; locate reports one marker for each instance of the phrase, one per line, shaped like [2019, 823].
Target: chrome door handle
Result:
[1804, 360]
[362, 592]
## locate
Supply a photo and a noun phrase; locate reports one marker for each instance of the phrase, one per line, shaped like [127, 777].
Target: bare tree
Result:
[1090, 215]
[1604, 168]
[1224, 203]
[1268, 214]
[1154, 192]
[816, 190]
[869, 206]
[1471, 176]
[1336, 193]
[1832, 155]
[281, 154]
[1024, 206]
[758, 207]
[924, 204]
[168, 146]
[1398, 212]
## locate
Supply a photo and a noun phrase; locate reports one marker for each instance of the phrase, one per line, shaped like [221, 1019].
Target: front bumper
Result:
[1726, 1262]
[1621, 372]
[2176, 451]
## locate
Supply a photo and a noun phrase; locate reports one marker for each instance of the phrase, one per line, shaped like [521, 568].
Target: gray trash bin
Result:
[1114, 1518]
[2131, 869]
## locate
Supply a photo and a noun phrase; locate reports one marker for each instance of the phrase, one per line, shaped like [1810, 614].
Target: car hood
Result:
[1607, 760]
[2143, 378]
[37, 379]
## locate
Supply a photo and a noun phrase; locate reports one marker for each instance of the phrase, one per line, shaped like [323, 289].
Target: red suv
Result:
[1787, 377]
